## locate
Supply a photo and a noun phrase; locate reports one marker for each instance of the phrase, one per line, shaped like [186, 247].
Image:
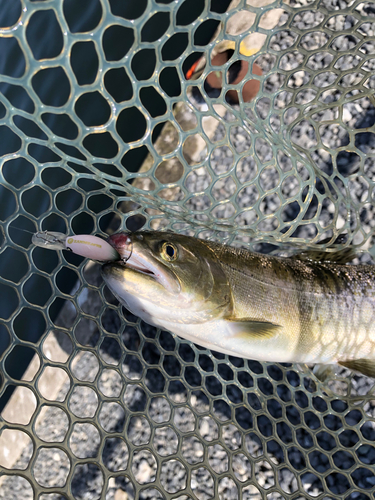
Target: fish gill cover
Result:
[108, 123]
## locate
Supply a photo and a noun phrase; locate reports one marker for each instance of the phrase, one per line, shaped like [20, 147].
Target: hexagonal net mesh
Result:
[103, 129]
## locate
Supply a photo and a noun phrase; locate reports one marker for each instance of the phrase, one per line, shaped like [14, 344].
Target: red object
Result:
[120, 242]
[190, 72]
[239, 69]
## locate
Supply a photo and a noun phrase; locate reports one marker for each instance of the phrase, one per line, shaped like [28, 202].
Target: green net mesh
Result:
[100, 130]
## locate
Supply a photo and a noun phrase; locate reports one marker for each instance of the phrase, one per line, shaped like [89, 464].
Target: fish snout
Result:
[122, 242]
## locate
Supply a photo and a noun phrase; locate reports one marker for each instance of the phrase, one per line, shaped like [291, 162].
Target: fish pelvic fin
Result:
[248, 327]
[364, 366]
[325, 372]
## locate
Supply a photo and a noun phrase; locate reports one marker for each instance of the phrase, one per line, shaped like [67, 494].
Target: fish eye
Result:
[169, 251]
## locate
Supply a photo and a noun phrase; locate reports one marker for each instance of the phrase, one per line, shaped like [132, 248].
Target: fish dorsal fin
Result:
[249, 327]
[365, 366]
[342, 256]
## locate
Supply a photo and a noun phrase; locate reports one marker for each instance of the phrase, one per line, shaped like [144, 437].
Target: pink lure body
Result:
[91, 247]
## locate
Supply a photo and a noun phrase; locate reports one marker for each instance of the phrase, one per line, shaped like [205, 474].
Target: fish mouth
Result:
[141, 262]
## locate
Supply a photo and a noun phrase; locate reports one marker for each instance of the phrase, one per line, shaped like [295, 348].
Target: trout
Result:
[247, 304]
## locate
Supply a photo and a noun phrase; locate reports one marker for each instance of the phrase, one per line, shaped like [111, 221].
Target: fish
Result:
[296, 309]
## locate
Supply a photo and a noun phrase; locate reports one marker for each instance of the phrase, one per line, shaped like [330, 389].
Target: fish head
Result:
[167, 278]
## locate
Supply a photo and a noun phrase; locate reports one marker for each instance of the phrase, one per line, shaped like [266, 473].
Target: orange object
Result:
[190, 72]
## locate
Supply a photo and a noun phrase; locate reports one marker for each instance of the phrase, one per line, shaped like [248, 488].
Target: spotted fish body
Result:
[247, 304]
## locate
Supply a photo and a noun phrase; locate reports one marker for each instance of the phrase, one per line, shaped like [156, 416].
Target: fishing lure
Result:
[85, 245]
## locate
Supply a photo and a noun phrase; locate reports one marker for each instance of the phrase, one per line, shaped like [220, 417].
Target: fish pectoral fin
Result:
[365, 366]
[248, 327]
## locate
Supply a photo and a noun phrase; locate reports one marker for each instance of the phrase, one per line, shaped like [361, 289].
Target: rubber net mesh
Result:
[108, 406]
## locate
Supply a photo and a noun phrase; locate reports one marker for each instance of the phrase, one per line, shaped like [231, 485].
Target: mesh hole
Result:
[170, 82]
[99, 203]
[144, 467]
[29, 324]
[84, 440]
[169, 470]
[202, 483]
[155, 381]
[24, 409]
[155, 27]
[93, 109]
[84, 394]
[110, 351]
[27, 354]
[87, 477]
[131, 125]
[18, 97]
[11, 13]
[131, 338]
[184, 419]
[52, 86]
[29, 198]
[14, 272]
[53, 377]
[139, 431]
[62, 125]
[168, 437]
[85, 366]
[13, 443]
[82, 18]
[120, 485]
[174, 47]
[118, 84]
[42, 154]
[110, 383]
[10, 142]
[64, 350]
[52, 424]
[128, 10]
[115, 454]
[117, 41]
[11, 47]
[189, 11]
[143, 64]
[15, 483]
[40, 283]
[84, 62]
[64, 278]
[44, 35]
[13, 168]
[208, 429]
[227, 488]
[152, 101]
[135, 398]
[101, 144]
[29, 128]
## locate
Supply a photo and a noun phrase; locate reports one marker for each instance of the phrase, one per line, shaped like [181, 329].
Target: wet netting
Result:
[250, 122]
